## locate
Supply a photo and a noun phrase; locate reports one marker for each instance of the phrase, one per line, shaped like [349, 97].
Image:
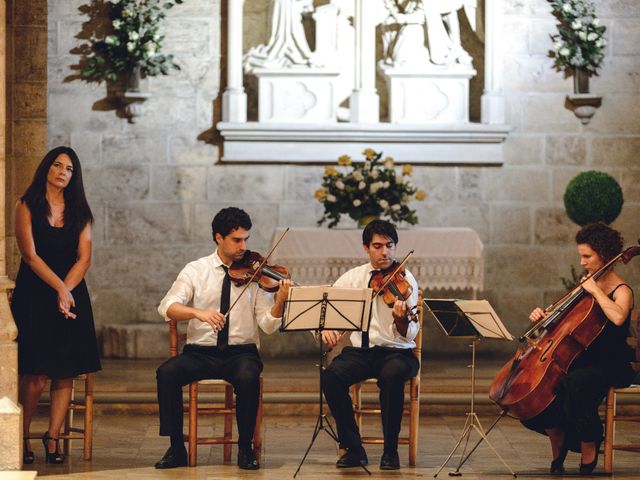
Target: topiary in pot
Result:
[593, 196]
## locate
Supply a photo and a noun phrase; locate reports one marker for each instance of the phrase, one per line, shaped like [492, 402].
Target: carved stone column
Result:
[364, 102]
[492, 101]
[234, 98]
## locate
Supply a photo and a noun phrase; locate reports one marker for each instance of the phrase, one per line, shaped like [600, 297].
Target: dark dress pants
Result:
[240, 365]
[392, 367]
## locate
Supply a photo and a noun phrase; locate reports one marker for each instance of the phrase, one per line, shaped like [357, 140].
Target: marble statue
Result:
[288, 45]
[422, 31]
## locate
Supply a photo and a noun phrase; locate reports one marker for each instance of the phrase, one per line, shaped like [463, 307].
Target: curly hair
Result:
[229, 219]
[603, 239]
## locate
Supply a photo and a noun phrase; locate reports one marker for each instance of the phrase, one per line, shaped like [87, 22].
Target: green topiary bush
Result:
[593, 196]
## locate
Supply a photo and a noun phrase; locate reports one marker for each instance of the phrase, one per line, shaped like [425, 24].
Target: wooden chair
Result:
[228, 410]
[69, 432]
[612, 416]
[413, 409]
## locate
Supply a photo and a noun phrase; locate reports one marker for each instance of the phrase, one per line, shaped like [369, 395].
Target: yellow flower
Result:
[344, 160]
[420, 195]
[369, 153]
[407, 169]
[320, 194]
[330, 171]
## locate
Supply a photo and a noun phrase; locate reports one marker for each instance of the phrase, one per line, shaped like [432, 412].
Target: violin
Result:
[391, 284]
[252, 267]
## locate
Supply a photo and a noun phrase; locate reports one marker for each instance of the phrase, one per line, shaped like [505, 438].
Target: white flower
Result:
[134, 35]
[374, 187]
[375, 174]
[357, 175]
[127, 12]
[383, 203]
[150, 48]
[558, 45]
[582, 35]
[596, 22]
[564, 52]
[386, 184]
[399, 180]
[567, 7]
[116, 24]
[115, 2]
[111, 40]
[396, 207]
[357, 203]
[388, 163]
[592, 36]
[131, 46]
[361, 185]
[601, 42]
[340, 185]
[576, 24]
[331, 198]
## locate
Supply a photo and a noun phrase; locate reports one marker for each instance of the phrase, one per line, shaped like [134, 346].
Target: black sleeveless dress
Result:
[605, 364]
[49, 344]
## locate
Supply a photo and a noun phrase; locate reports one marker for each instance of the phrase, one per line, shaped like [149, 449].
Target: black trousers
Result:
[240, 365]
[392, 367]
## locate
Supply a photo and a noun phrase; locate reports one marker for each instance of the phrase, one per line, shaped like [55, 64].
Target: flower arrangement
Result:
[367, 189]
[134, 41]
[580, 41]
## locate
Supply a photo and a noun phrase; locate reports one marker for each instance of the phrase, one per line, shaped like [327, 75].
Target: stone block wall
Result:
[154, 185]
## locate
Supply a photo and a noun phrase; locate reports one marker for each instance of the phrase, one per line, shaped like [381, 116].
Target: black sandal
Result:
[54, 458]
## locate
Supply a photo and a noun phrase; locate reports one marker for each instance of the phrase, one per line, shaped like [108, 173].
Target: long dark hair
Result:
[76, 209]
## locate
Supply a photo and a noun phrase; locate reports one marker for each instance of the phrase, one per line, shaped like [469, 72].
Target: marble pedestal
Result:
[429, 95]
[297, 95]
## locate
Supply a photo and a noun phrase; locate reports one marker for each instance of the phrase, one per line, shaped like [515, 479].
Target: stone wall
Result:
[154, 185]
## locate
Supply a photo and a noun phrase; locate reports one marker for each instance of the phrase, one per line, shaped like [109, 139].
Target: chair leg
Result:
[609, 430]
[193, 424]
[414, 419]
[88, 416]
[228, 421]
[68, 420]
[257, 432]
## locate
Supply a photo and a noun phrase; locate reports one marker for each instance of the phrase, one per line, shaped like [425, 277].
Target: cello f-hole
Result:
[543, 357]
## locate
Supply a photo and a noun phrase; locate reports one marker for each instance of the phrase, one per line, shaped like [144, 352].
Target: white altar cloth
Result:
[443, 258]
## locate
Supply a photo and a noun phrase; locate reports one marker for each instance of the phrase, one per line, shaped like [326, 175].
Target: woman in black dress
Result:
[571, 421]
[50, 303]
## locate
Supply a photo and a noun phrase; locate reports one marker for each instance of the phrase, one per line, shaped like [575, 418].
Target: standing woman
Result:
[50, 304]
[571, 421]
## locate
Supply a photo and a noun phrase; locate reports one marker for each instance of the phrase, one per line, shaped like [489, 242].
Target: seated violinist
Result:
[384, 352]
[217, 347]
[571, 421]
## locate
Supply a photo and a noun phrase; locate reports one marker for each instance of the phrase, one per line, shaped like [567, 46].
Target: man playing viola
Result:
[384, 353]
[221, 342]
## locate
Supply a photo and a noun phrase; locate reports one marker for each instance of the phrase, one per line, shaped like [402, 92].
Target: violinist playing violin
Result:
[222, 335]
[384, 352]
[571, 421]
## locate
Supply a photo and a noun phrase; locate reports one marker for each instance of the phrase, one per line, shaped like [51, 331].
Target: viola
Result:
[391, 284]
[525, 385]
[252, 267]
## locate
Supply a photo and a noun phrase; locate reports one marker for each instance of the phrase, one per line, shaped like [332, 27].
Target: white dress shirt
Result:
[199, 285]
[382, 329]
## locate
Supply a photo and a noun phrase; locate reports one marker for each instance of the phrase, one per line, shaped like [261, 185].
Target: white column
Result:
[492, 102]
[364, 102]
[234, 99]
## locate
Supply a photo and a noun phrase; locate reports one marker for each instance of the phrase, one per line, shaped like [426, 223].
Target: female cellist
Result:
[571, 421]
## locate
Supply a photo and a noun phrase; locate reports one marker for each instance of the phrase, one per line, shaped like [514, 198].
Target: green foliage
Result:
[133, 41]
[574, 280]
[593, 196]
[370, 188]
[580, 42]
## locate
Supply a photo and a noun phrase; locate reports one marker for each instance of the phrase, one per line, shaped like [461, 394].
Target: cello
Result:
[525, 385]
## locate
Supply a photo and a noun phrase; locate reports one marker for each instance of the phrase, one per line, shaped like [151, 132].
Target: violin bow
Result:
[397, 269]
[262, 264]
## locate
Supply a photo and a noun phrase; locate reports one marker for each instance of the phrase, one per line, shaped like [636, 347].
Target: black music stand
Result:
[470, 319]
[326, 308]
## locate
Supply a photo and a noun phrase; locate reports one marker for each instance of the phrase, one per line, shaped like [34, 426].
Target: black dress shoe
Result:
[247, 459]
[355, 457]
[588, 468]
[390, 461]
[173, 459]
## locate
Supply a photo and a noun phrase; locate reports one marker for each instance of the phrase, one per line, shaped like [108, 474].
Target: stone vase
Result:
[580, 80]
[133, 79]
[364, 221]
